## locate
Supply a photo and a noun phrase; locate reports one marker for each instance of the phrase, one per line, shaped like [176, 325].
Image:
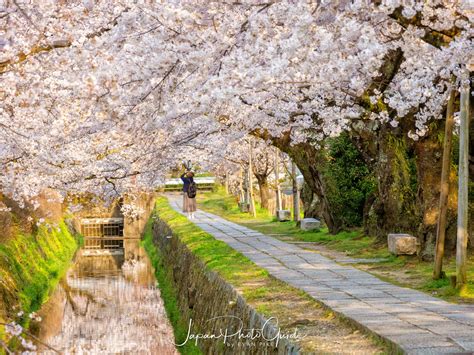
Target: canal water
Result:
[106, 305]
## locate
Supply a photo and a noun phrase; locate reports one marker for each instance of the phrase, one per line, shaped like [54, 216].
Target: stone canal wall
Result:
[211, 304]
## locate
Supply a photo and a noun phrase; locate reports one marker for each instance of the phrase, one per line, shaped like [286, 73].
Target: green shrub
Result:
[349, 180]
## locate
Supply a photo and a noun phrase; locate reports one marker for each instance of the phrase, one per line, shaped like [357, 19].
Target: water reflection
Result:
[107, 306]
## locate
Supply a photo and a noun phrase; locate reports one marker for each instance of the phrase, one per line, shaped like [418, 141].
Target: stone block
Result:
[309, 224]
[399, 244]
[283, 215]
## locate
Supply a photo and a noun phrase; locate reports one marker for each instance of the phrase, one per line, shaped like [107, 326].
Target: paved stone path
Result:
[416, 322]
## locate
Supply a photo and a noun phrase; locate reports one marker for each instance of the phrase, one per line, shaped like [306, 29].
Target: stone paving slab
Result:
[415, 321]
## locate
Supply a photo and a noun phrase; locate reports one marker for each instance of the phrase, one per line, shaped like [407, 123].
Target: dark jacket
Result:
[186, 182]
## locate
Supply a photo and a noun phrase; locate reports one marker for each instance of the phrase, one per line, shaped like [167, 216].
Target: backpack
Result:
[192, 190]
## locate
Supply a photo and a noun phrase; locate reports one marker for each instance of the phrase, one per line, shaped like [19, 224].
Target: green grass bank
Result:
[168, 292]
[31, 265]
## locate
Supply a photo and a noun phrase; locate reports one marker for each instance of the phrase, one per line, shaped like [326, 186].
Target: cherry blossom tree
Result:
[237, 156]
[380, 71]
[94, 93]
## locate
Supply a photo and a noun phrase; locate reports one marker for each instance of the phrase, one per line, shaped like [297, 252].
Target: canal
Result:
[106, 305]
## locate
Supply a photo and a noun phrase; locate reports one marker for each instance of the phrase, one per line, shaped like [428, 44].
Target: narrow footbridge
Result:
[203, 183]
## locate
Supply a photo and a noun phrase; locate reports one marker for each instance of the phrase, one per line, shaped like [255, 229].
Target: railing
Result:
[203, 183]
[102, 233]
[103, 243]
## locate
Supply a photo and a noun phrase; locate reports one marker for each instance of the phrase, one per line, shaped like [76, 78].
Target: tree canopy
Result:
[96, 92]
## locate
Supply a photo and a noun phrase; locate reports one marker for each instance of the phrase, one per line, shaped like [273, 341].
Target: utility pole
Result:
[463, 173]
[444, 190]
[252, 200]
[276, 169]
[296, 194]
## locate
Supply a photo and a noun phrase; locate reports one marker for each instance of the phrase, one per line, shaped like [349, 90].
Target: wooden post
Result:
[443, 198]
[462, 231]
[276, 169]
[296, 194]
[252, 200]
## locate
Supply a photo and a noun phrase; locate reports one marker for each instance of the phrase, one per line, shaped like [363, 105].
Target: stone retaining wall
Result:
[213, 305]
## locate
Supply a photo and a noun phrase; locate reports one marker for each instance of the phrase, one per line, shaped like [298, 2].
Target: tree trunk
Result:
[296, 194]
[264, 190]
[443, 199]
[463, 200]
[408, 174]
[308, 159]
[241, 186]
[247, 187]
[252, 199]
[394, 208]
[428, 153]
[311, 206]
[471, 170]
[276, 170]
[226, 183]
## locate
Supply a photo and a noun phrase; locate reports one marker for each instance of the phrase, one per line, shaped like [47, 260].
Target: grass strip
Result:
[167, 291]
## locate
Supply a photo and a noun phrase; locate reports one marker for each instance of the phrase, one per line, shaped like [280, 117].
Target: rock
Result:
[399, 244]
[283, 215]
[309, 224]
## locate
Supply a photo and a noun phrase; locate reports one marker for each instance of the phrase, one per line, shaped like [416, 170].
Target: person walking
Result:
[189, 193]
